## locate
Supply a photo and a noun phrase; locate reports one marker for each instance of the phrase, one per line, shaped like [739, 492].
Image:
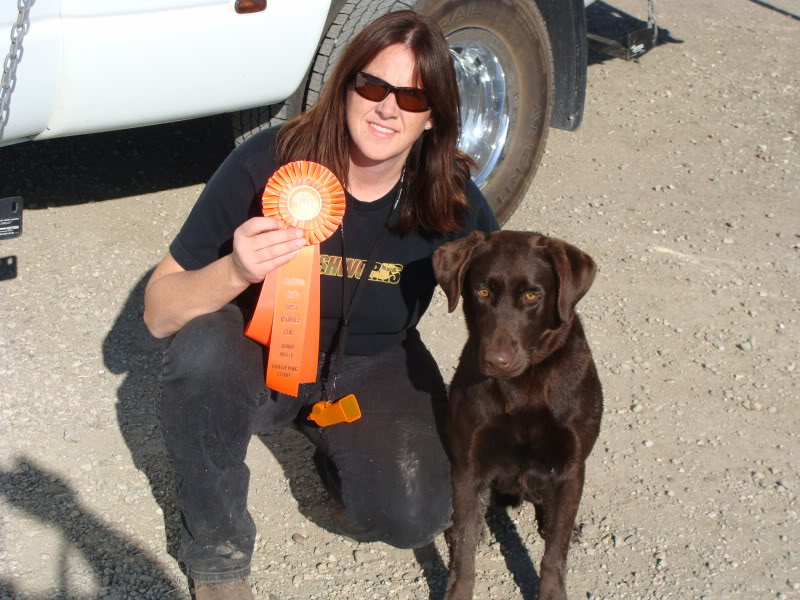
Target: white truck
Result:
[83, 66]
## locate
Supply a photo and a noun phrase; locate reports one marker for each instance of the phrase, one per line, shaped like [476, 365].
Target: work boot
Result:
[227, 590]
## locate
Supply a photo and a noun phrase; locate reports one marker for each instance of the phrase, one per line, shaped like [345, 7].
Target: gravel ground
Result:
[682, 184]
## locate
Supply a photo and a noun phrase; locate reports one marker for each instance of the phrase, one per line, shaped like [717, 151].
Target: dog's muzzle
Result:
[503, 361]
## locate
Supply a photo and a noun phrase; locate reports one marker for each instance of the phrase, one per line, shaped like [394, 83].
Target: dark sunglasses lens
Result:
[376, 90]
[371, 90]
[412, 101]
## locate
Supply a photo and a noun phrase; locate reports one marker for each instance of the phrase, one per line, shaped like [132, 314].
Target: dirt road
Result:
[682, 183]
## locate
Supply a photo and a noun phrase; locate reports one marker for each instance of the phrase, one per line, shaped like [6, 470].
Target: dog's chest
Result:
[523, 451]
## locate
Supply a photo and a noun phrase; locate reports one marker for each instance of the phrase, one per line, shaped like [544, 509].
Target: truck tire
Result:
[504, 67]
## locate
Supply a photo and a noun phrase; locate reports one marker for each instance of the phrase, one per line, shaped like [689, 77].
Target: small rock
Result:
[362, 557]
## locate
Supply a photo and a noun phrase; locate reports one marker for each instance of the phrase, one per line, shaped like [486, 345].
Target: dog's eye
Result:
[531, 296]
[483, 292]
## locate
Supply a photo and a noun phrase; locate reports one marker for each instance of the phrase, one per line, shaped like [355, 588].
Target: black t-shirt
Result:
[397, 292]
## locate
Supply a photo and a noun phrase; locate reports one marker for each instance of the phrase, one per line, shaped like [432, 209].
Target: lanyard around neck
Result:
[347, 313]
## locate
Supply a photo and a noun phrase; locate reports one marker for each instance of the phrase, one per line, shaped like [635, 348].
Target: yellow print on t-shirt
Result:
[382, 272]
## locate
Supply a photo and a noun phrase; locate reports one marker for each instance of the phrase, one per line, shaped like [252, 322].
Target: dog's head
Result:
[520, 290]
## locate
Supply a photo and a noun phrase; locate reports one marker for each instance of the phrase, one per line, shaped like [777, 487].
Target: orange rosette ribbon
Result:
[308, 196]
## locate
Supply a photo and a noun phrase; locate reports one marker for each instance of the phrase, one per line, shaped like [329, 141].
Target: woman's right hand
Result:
[261, 246]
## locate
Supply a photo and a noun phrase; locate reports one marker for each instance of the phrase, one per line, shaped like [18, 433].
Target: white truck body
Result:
[88, 66]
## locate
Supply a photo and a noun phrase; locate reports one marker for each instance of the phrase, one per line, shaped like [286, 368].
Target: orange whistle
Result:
[345, 410]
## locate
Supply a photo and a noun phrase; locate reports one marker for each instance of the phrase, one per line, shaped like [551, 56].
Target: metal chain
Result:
[651, 19]
[11, 60]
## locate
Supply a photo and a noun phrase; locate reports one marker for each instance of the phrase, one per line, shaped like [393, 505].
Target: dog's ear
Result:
[576, 271]
[450, 262]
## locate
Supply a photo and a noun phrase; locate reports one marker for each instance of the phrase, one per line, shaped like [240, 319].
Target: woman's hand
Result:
[261, 246]
[174, 296]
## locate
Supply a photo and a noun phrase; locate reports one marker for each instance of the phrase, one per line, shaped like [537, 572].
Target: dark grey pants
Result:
[389, 469]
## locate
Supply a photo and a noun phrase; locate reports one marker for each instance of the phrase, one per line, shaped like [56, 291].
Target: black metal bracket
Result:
[636, 44]
[10, 227]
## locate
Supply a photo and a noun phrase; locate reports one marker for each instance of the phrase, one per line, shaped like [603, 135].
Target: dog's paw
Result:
[457, 596]
[459, 590]
[552, 590]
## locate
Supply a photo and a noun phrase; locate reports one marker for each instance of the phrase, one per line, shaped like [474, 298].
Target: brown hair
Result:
[436, 171]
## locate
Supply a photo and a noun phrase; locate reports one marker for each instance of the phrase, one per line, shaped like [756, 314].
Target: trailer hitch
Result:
[636, 44]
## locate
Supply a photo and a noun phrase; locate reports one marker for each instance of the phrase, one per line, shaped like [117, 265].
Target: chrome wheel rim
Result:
[482, 68]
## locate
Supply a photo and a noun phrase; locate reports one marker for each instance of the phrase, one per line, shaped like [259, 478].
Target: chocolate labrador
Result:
[525, 402]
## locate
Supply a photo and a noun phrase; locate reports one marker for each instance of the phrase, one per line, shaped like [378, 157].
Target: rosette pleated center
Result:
[305, 195]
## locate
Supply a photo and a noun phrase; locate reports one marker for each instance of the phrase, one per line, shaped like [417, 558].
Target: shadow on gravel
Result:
[129, 350]
[104, 166]
[118, 565]
[433, 569]
[615, 24]
[778, 10]
[513, 549]
[295, 455]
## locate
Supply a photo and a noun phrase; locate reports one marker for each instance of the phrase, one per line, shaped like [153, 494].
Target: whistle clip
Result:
[345, 410]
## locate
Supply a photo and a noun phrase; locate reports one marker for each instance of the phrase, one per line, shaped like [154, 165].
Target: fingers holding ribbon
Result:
[260, 245]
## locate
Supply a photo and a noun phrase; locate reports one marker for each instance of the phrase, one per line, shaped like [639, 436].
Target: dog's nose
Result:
[499, 358]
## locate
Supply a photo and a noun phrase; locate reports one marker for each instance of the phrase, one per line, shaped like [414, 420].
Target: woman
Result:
[386, 124]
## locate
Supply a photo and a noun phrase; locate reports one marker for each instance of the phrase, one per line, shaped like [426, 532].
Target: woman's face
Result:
[381, 131]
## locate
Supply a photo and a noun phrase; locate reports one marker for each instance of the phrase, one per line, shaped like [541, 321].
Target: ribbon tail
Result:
[310, 357]
[290, 323]
[259, 329]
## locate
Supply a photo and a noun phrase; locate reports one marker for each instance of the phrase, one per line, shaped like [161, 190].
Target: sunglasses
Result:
[375, 89]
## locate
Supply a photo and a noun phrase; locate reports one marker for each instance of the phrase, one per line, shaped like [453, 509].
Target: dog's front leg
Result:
[561, 512]
[470, 496]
